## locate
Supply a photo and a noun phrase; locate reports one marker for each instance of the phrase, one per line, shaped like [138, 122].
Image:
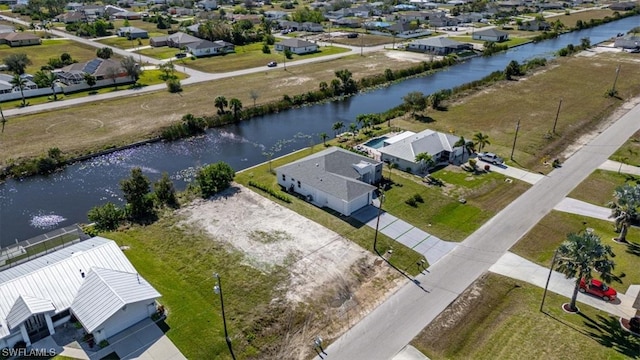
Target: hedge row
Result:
[270, 191]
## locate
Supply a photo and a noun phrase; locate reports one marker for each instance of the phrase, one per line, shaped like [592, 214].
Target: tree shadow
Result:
[423, 118]
[633, 248]
[607, 331]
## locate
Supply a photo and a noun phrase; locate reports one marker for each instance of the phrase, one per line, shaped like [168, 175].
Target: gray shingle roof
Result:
[441, 42]
[427, 141]
[296, 43]
[333, 171]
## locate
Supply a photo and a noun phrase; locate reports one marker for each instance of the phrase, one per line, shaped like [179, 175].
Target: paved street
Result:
[392, 325]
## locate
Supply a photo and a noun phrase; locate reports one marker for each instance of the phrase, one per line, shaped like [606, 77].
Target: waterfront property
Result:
[403, 149]
[334, 178]
[492, 35]
[438, 46]
[91, 281]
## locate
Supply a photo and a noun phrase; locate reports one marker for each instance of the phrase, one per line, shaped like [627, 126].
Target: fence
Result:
[40, 245]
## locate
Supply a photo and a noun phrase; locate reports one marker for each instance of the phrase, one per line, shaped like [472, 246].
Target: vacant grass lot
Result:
[124, 43]
[163, 52]
[499, 318]
[402, 258]
[540, 243]
[52, 48]
[580, 81]
[570, 20]
[365, 40]
[598, 188]
[249, 56]
[135, 118]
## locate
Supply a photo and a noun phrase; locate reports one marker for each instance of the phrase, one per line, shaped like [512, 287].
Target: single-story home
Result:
[628, 42]
[493, 35]
[15, 39]
[92, 281]
[128, 15]
[441, 20]
[312, 27]
[535, 25]
[623, 6]
[71, 17]
[131, 33]
[438, 46]
[208, 48]
[177, 40]
[208, 5]
[99, 68]
[297, 46]
[6, 86]
[403, 152]
[274, 14]
[347, 22]
[334, 178]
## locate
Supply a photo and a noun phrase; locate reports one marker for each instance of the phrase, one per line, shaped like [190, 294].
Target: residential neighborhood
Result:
[205, 179]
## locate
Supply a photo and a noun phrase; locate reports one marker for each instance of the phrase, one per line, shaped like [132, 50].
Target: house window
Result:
[298, 183]
[284, 177]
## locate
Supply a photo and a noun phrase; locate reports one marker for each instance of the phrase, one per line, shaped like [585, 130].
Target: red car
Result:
[599, 289]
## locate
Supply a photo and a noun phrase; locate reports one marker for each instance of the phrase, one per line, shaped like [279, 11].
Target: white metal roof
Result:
[401, 136]
[26, 306]
[428, 141]
[57, 276]
[105, 292]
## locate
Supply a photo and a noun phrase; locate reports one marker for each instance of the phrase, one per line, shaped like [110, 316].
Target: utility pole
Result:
[218, 290]
[375, 237]
[514, 139]
[553, 262]
[557, 114]
[613, 89]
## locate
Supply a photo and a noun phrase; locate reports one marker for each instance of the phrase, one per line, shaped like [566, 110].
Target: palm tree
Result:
[391, 166]
[580, 255]
[481, 140]
[236, 106]
[2, 119]
[624, 208]
[354, 129]
[47, 79]
[20, 82]
[324, 137]
[337, 126]
[462, 142]
[425, 159]
[220, 102]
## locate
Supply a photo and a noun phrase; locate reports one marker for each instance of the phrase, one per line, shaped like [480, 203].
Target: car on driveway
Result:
[599, 289]
[490, 158]
[272, 64]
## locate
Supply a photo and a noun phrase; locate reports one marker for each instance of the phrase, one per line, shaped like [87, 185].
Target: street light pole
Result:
[218, 290]
[553, 262]
[514, 139]
[375, 237]
[557, 114]
[613, 89]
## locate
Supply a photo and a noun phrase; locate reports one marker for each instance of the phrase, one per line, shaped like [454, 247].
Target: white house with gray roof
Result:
[297, 46]
[92, 280]
[493, 35]
[334, 178]
[439, 145]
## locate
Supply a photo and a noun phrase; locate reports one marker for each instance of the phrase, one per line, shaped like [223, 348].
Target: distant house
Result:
[71, 17]
[312, 27]
[131, 32]
[628, 41]
[109, 10]
[99, 68]
[209, 48]
[493, 35]
[92, 281]
[347, 22]
[128, 15]
[535, 25]
[623, 6]
[180, 11]
[177, 40]
[297, 46]
[290, 25]
[16, 39]
[334, 178]
[275, 15]
[7, 87]
[438, 46]
[439, 145]
[441, 20]
[424, 4]
[208, 5]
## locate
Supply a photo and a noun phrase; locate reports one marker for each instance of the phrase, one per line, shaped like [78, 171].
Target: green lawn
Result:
[163, 52]
[40, 54]
[513, 41]
[540, 243]
[124, 43]
[249, 56]
[499, 318]
[629, 153]
[598, 187]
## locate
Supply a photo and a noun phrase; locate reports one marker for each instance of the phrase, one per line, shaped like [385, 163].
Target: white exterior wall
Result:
[402, 164]
[124, 319]
[203, 52]
[298, 50]
[62, 90]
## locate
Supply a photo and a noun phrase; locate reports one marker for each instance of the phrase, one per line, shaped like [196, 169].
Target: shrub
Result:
[103, 344]
[174, 86]
[214, 178]
[106, 217]
[270, 191]
[411, 202]
[418, 198]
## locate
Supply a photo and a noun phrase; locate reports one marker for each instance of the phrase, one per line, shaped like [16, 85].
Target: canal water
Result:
[32, 206]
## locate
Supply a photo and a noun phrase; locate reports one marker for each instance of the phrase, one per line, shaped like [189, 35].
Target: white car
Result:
[491, 158]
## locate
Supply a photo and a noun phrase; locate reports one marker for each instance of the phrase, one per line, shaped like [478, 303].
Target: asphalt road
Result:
[399, 319]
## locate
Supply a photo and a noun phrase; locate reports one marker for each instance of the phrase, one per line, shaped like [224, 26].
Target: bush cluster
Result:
[270, 191]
